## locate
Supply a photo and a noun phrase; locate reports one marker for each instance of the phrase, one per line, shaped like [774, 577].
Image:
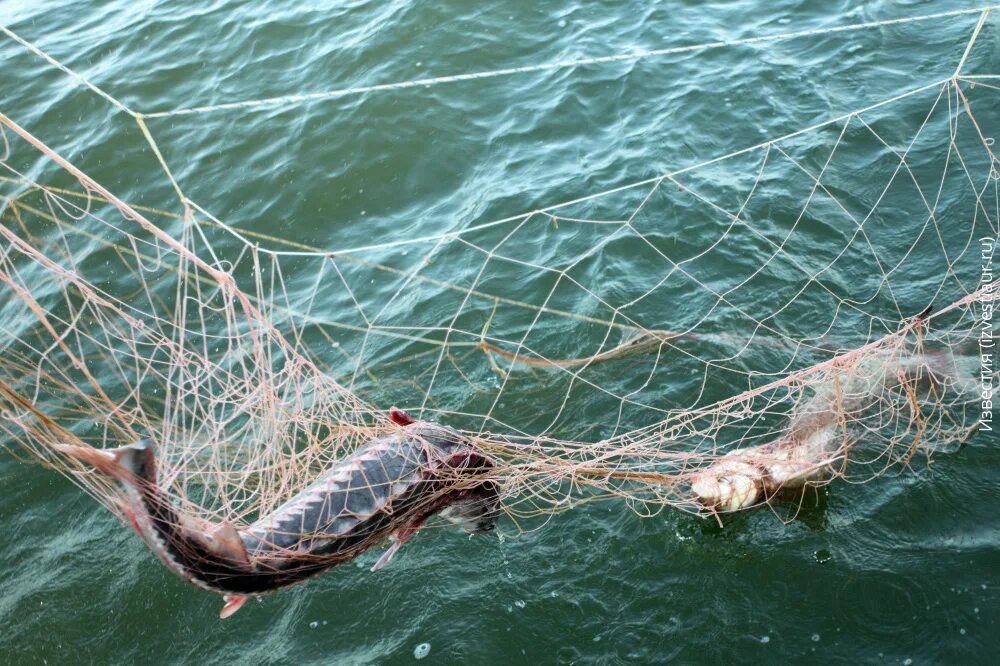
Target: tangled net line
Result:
[120, 322]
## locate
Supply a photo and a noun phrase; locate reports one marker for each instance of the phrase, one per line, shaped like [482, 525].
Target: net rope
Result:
[678, 387]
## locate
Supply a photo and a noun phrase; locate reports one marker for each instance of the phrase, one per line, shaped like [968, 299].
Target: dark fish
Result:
[388, 488]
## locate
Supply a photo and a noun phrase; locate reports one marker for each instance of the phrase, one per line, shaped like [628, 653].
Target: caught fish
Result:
[820, 430]
[389, 488]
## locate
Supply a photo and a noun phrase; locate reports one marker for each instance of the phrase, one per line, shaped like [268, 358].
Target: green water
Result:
[905, 568]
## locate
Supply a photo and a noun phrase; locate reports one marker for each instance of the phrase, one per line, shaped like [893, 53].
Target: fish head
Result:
[728, 485]
[476, 511]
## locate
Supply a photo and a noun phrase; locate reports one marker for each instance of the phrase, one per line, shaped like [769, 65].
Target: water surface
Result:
[903, 570]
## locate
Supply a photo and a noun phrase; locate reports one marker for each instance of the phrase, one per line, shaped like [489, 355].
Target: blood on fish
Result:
[399, 417]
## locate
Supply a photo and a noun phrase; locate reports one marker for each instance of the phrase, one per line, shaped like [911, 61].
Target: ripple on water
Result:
[431, 160]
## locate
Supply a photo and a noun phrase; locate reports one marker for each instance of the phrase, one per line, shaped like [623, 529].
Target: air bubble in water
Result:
[422, 650]
[815, 638]
[519, 603]
[313, 624]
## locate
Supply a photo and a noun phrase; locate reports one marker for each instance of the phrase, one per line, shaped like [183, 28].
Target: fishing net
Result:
[675, 386]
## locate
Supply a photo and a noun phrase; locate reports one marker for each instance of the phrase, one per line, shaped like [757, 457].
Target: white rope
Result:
[55, 63]
[562, 64]
[546, 211]
[972, 41]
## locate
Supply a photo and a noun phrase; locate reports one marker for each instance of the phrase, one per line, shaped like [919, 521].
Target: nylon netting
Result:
[679, 386]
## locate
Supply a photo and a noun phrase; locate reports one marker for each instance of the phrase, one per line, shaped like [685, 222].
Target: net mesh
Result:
[676, 385]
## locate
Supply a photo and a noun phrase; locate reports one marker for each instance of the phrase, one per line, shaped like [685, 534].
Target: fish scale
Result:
[341, 500]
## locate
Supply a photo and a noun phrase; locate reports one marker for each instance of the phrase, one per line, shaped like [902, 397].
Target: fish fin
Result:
[225, 541]
[221, 539]
[399, 417]
[102, 459]
[387, 555]
[124, 463]
[401, 536]
[232, 604]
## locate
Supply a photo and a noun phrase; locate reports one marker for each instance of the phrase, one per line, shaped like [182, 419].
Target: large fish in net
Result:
[223, 392]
